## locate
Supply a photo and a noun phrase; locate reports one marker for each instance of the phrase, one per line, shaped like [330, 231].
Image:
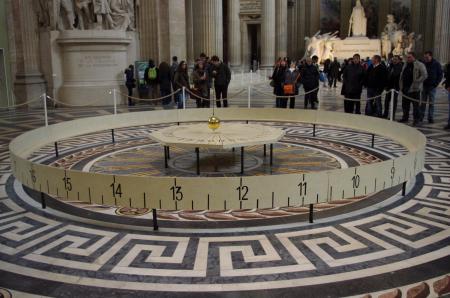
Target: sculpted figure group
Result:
[87, 14]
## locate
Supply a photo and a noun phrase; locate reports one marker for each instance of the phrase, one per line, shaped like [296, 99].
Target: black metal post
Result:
[247, 121]
[44, 204]
[242, 160]
[197, 153]
[404, 189]
[265, 153]
[166, 165]
[56, 149]
[271, 154]
[155, 220]
[373, 140]
[112, 136]
[168, 152]
[311, 213]
[314, 130]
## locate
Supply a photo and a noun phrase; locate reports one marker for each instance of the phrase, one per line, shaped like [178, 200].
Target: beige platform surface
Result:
[228, 135]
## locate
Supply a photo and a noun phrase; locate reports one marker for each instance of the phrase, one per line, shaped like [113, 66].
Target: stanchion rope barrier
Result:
[148, 99]
[195, 96]
[21, 104]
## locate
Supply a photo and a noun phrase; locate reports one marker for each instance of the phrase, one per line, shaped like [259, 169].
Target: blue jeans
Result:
[430, 96]
[373, 106]
[178, 97]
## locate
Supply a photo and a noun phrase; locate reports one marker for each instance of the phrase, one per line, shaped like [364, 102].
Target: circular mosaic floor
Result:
[395, 244]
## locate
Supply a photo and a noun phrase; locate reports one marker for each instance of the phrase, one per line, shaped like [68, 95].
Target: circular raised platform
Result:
[228, 135]
[218, 193]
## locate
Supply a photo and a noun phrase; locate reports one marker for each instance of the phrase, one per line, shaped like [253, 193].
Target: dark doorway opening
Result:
[254, 41]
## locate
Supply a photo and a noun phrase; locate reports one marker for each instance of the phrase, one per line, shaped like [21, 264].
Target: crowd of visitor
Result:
[416, 80]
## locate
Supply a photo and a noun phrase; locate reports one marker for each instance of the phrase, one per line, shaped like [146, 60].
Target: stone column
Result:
[189, 33]
[268, 34]
[346, 11]
[177, 28]
[442, 31]
[281, 28]
[292, 30]
[149, 29]
[29, 82]
[301, 23]
[234, 33]
[384, 8]
[312, 17]
[207, 26]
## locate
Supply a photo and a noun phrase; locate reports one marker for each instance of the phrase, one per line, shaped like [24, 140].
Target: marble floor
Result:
[396, 244]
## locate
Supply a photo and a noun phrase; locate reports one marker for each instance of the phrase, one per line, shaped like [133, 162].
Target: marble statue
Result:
[386, 45]
[358, 21]
[320, 45]
[328, 50]
[84, 13]
[121, 15]
[66, 20]
[398, 50]
[411, 42]
[102, 13]
[393, 31]
[43, 9]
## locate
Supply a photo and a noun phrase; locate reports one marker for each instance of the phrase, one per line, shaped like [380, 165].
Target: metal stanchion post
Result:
[311, 213]
[155, 220]
[184, 98]
[45, 108]
[43, 203]
[391, 106]
[249, 90]
[115, 101]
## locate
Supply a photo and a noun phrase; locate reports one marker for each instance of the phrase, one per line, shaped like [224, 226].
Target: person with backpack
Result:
[151, 78]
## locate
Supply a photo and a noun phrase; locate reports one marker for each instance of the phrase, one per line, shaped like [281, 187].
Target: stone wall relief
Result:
[86, 14]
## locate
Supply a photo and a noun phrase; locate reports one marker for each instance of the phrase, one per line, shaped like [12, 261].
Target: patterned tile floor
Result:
[395, 243]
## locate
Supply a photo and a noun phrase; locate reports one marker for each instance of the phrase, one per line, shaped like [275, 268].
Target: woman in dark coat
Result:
[200, 79]
[310, 80]
[164, 83]
[180, 80]
[291, 77]
[278, 79]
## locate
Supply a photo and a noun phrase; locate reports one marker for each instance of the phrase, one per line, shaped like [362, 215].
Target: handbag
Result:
[272, 83]
[288, 89]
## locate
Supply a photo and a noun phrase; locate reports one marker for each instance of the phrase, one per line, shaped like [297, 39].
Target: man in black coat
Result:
[433, 80]
[447, 86]
[353, 79]
[222, 77]
[394, 71]
[334, 73]
[376, 82]
[309, 77]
